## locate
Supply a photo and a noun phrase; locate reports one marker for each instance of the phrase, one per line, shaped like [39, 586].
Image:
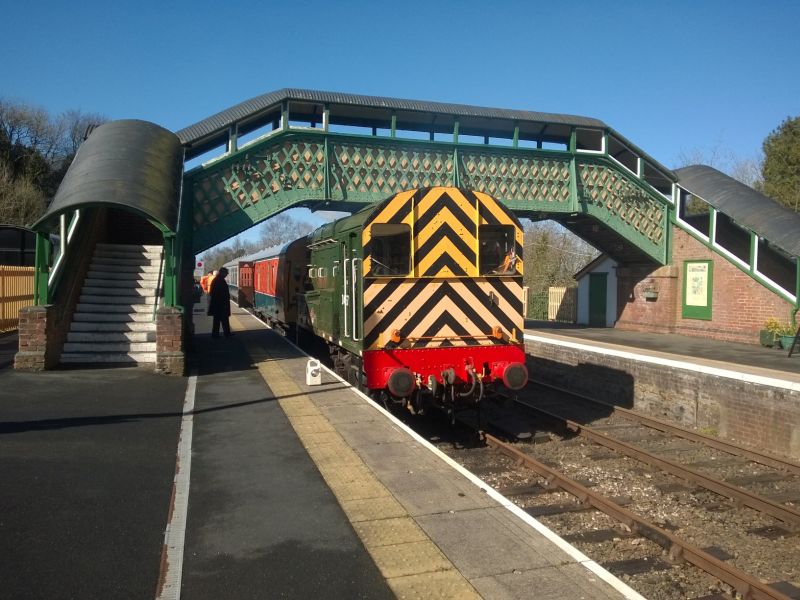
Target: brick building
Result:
[733, 266]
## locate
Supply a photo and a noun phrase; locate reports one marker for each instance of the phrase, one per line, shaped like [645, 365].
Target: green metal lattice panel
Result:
[521, 178]
[380, 170]
[307, 167]
[622, 203]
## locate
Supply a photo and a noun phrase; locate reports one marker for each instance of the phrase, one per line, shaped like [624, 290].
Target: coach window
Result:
[497, 250]
[390, 249]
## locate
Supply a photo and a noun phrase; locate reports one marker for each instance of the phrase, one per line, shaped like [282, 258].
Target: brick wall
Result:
[762, 416]
[170, 357]
[33, 354]
[740, 305]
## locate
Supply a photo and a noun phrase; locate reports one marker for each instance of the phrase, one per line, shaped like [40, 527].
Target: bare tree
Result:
[281, 229]
[21, 201]
[552, 255]
[744, 169]
[35, 152]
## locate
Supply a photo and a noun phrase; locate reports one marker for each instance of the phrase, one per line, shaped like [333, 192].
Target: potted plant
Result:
[787, 333]
[768, 336]
[779, 331]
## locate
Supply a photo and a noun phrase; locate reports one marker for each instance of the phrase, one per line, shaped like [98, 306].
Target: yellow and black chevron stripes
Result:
[431, 313]
[444, 226]
[445, 234]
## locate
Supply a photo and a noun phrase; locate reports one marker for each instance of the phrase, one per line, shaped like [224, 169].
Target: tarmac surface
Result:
[88, 459]
[262, 522]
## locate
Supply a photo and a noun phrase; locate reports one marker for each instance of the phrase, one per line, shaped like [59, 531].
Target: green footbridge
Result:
[334, 151]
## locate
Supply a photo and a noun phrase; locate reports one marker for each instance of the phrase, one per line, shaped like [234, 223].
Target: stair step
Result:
[106, 337]
[130, 247]
[98, 347]
[113, 268]
[131, 358]
[128, 262]
[149, 255]
[94, 308]
[120, 326]
[116, 300]
[91, 317]
[122, 276]
[139, 292]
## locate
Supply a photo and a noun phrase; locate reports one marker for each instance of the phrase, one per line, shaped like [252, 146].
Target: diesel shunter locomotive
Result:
[418, 297]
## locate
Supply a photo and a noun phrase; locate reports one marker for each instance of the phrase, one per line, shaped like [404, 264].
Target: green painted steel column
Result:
[41, 293]
[573, 173]
[797, 284]
[515, 140]
[394, 126]
[326, 170]
[456, 176]
[169, 270]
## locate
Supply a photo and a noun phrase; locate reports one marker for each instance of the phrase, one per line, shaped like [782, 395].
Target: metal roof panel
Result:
[751, 209]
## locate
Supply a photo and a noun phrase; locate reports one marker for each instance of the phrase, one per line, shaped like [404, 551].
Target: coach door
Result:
[351, 290]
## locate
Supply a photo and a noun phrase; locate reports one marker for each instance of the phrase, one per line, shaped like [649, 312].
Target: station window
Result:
[623, 155]
[655, 177]
[497, 250]
[589, 140]
[695, 212]
[777, 265]
[390, 249]
[732, 237]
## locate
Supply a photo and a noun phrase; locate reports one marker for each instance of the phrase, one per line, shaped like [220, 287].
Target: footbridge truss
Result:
[331, 151]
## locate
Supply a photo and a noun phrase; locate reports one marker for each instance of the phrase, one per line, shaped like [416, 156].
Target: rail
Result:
[748, 586]
[16, 292]
[789, 516]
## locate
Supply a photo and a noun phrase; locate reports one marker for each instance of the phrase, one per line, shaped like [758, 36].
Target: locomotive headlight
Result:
[401, 382]
[515, 376]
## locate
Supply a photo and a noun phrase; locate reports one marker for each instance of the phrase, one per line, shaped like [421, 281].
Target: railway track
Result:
[746, 540]
[633, 527]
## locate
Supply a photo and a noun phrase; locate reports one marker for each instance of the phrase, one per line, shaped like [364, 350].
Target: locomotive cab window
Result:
[390, 249]
[497, 250]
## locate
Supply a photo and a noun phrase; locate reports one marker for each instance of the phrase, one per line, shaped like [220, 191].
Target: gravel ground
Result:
[701, 517]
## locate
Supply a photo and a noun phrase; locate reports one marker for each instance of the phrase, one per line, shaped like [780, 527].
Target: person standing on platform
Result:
[219, 304]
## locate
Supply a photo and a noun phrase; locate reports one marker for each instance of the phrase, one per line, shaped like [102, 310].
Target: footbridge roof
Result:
[751, 209]
[133, 164]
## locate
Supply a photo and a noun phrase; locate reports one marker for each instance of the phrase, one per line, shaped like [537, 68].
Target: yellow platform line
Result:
[411, 563]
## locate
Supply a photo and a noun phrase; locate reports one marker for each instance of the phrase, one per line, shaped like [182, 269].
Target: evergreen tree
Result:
[781, 169]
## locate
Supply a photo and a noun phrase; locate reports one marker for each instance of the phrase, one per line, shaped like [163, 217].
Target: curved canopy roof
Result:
[751, 209]
[130, 164]
[244, 110]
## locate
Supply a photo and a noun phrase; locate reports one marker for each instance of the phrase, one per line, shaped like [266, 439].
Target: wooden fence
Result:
[562, 304]
[558, 304]
[16, 291]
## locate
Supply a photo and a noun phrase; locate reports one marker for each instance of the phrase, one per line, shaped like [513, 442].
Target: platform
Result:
[745, 393]
[292, 491]
[744, 358]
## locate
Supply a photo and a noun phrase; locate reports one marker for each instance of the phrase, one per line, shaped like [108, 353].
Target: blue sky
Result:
[673, 77]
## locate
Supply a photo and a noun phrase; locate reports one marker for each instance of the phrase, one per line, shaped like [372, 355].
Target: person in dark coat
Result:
[219, 304]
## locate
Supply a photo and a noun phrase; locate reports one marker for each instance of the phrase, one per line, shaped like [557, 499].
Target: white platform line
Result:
[599, 571]
[668, 362]
[169, 581]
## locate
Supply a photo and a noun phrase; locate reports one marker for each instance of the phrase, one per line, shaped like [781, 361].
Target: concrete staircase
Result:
[113, 320]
